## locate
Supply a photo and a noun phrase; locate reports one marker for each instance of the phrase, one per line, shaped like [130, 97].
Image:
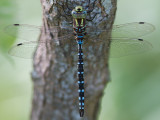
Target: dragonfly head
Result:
[79, 16]
[79, 12]
[78, 9]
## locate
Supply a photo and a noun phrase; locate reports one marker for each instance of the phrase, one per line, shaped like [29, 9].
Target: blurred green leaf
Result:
[7, 16]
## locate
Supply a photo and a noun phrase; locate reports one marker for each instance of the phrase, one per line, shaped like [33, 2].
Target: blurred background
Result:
[132, 94]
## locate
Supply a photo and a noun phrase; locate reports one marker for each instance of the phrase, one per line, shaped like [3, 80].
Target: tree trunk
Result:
[54, 75]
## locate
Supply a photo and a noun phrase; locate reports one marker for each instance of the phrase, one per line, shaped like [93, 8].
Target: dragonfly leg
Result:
[68, 14]
[88, 4]
[92, 17]
[68, 7]
[93, 6]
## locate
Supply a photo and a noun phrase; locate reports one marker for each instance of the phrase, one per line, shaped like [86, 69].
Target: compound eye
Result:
[73, 12]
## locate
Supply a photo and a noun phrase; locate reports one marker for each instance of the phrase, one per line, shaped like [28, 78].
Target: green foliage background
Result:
[132, 94]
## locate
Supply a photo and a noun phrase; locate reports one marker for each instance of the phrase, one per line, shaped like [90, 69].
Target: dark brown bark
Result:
[54, 75]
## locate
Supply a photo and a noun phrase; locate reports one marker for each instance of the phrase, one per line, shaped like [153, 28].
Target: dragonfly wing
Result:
[24, 50]
[23, 31]
[132, 30]
[27, 49]
[32, 32]
[124, 39]
[119, 48]
[129, 30]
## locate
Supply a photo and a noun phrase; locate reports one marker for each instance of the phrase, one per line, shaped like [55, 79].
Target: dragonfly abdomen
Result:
[80, 77]
[79, 36]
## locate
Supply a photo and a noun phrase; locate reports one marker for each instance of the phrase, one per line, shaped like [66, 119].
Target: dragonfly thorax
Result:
[79, 16]
[79, 12]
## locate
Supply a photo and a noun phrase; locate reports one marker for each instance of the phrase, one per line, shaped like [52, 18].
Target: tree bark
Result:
[54, 75]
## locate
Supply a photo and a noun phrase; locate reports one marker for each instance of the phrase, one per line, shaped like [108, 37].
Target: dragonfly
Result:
[124, 41]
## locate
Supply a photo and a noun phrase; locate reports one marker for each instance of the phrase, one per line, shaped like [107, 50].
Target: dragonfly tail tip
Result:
[81, 112]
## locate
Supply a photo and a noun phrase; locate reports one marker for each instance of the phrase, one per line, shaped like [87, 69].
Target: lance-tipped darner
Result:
[125, 41]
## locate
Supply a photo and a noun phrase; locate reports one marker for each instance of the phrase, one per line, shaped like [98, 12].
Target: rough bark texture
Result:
[55, 72]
